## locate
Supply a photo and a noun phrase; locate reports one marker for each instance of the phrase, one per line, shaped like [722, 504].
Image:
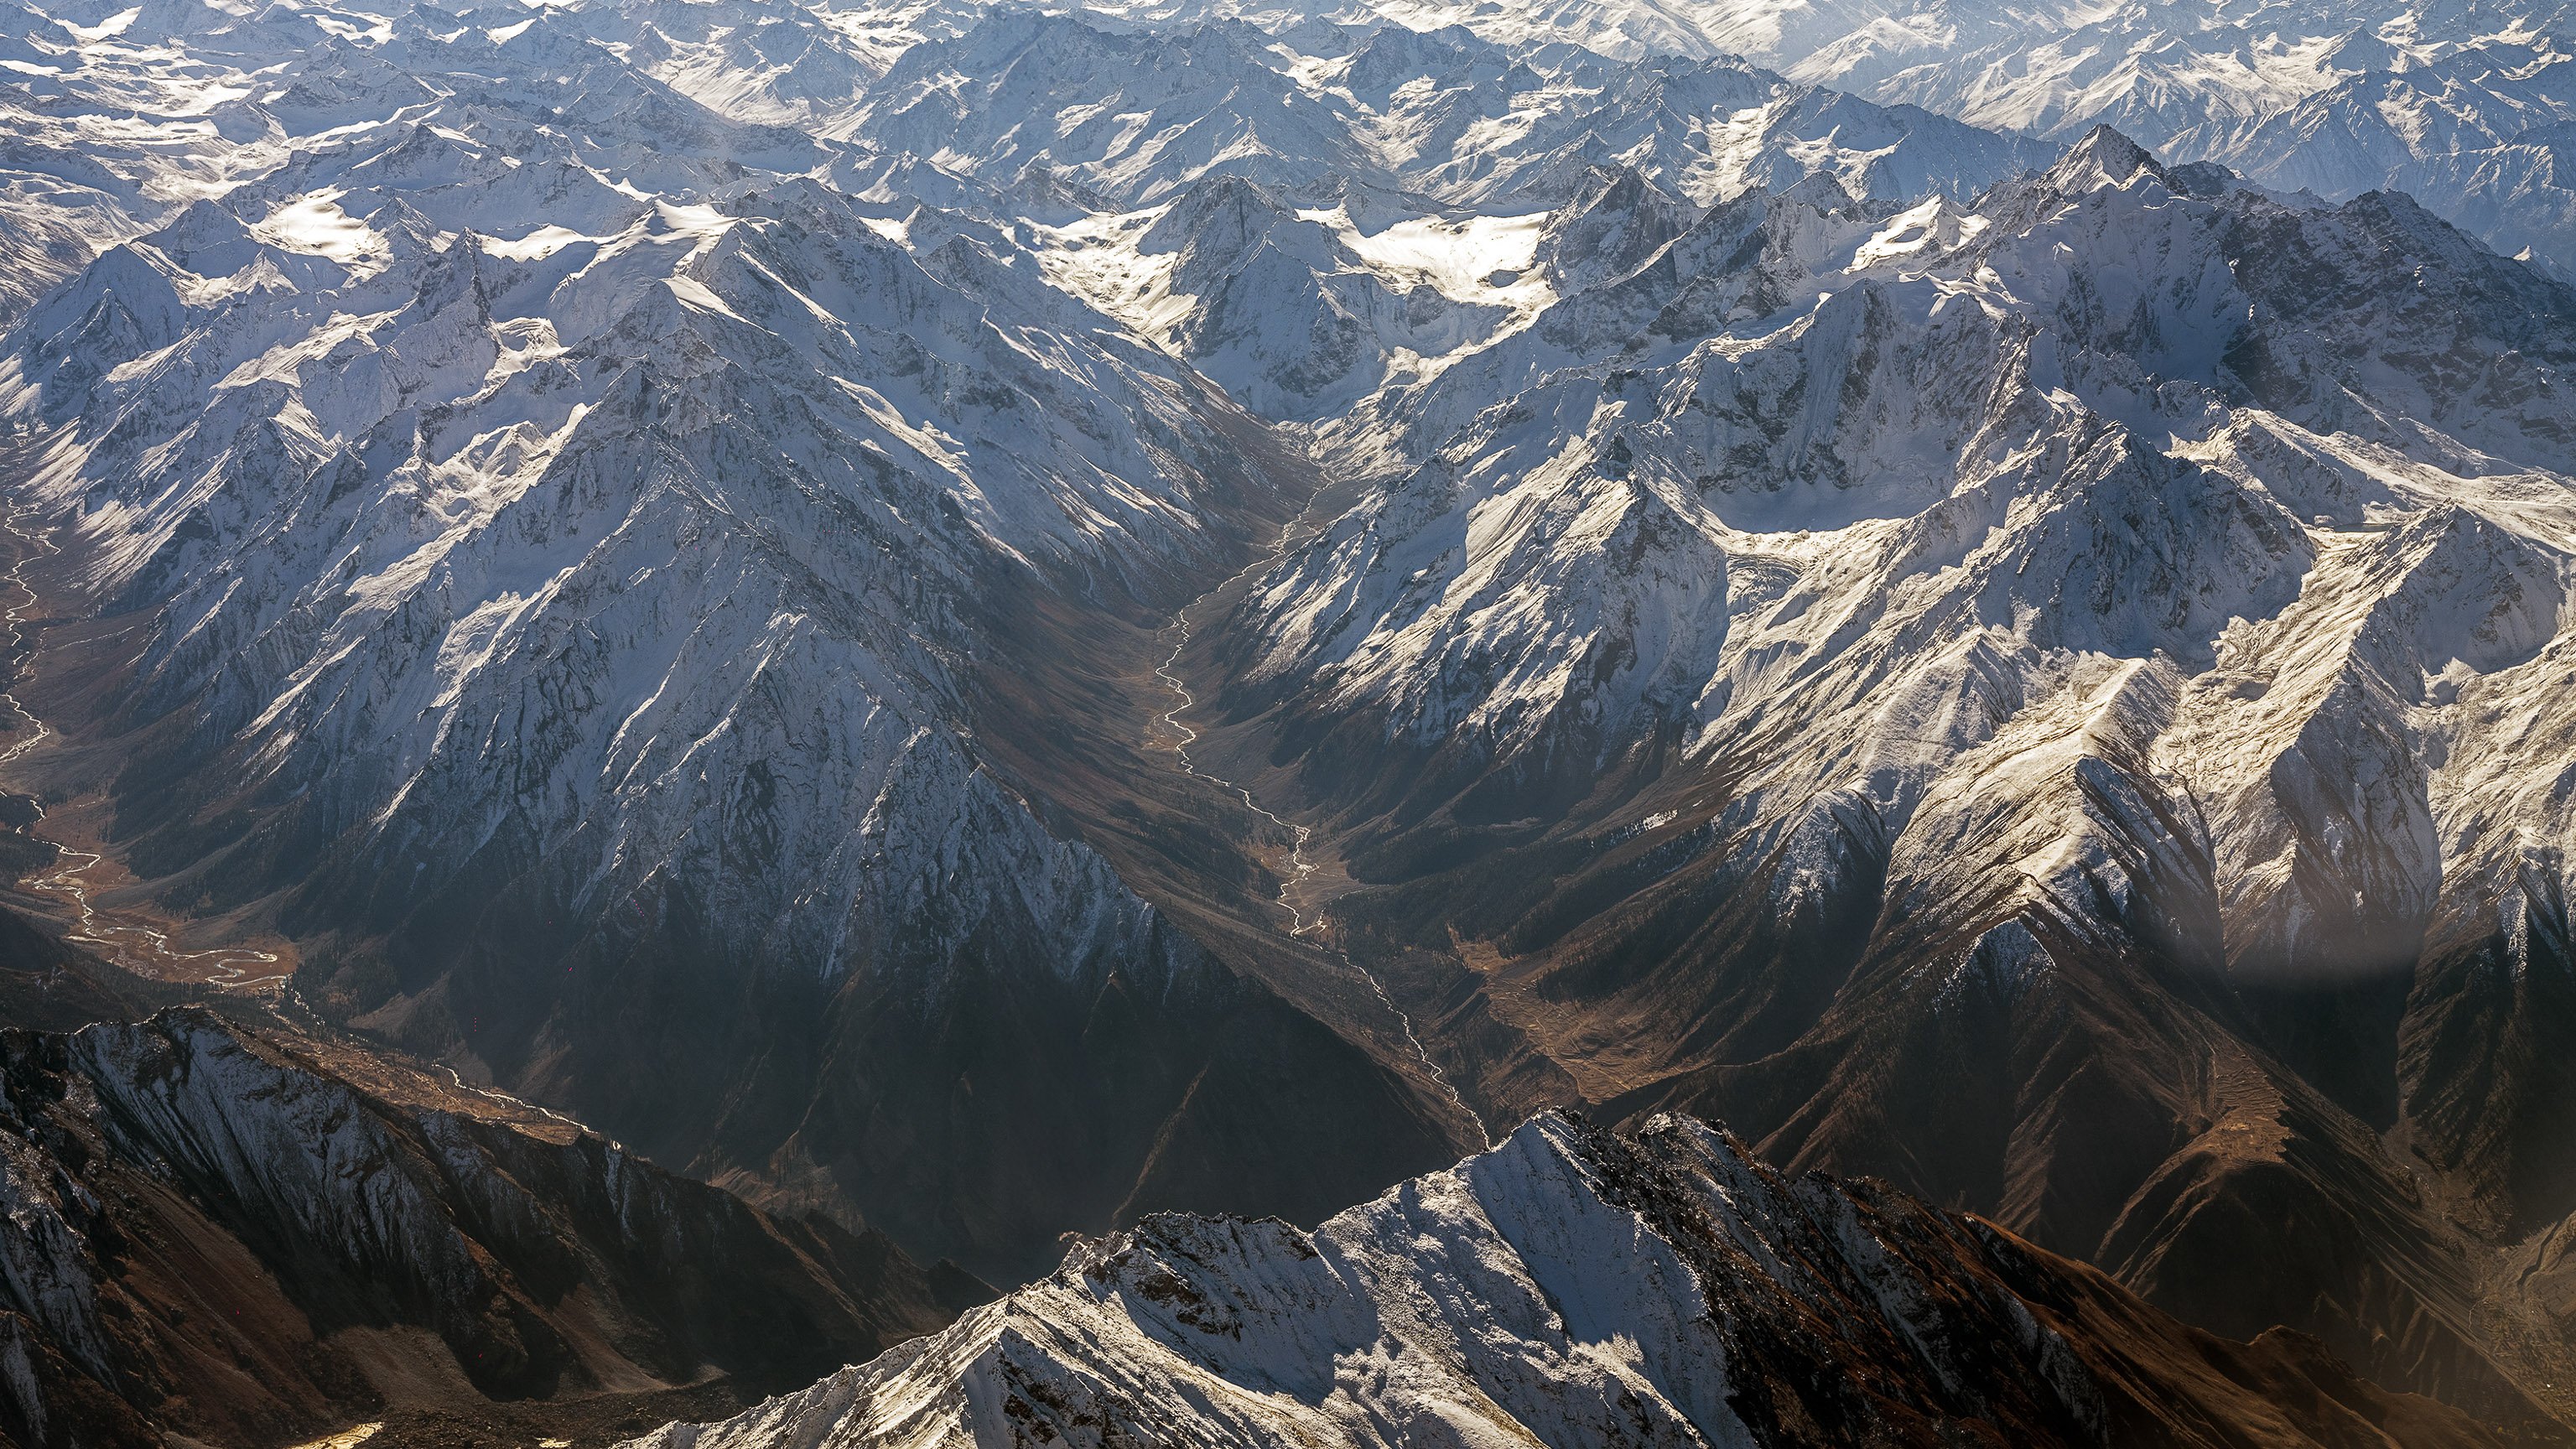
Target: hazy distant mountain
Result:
[2481, 136]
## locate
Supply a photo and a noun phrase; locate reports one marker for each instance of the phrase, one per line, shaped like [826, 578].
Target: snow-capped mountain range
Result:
[1756, 560]
[1862, 652]
[574, 506]
[2481, 136]
[2246, 83]
[1573, 1287]
[575, 522]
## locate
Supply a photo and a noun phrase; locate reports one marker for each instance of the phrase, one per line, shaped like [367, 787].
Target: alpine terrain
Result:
[1575, 1287]
[233, 1231]
[687, 677]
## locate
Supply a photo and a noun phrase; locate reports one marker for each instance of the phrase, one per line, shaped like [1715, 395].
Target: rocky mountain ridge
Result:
[250, 1235]
[1575, 1287]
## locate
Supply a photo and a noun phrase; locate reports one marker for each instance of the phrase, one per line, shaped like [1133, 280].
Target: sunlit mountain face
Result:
[1862, 711]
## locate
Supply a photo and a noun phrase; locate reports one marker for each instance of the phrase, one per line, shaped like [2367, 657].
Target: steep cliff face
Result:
[247, 1235]
[1574, 1287]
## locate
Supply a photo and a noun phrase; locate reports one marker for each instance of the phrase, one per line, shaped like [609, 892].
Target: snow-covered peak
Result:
[1567, 1287]
[2480, 136]
[1733, 498]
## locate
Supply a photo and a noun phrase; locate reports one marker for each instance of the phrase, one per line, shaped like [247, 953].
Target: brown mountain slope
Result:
[247, 1235]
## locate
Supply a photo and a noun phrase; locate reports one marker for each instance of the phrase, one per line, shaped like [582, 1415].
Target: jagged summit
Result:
[1571, 1286]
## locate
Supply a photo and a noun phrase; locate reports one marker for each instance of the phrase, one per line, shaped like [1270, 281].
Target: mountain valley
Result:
[1025, 638]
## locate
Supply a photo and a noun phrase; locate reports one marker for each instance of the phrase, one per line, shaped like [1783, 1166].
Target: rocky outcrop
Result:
[248, 1235]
